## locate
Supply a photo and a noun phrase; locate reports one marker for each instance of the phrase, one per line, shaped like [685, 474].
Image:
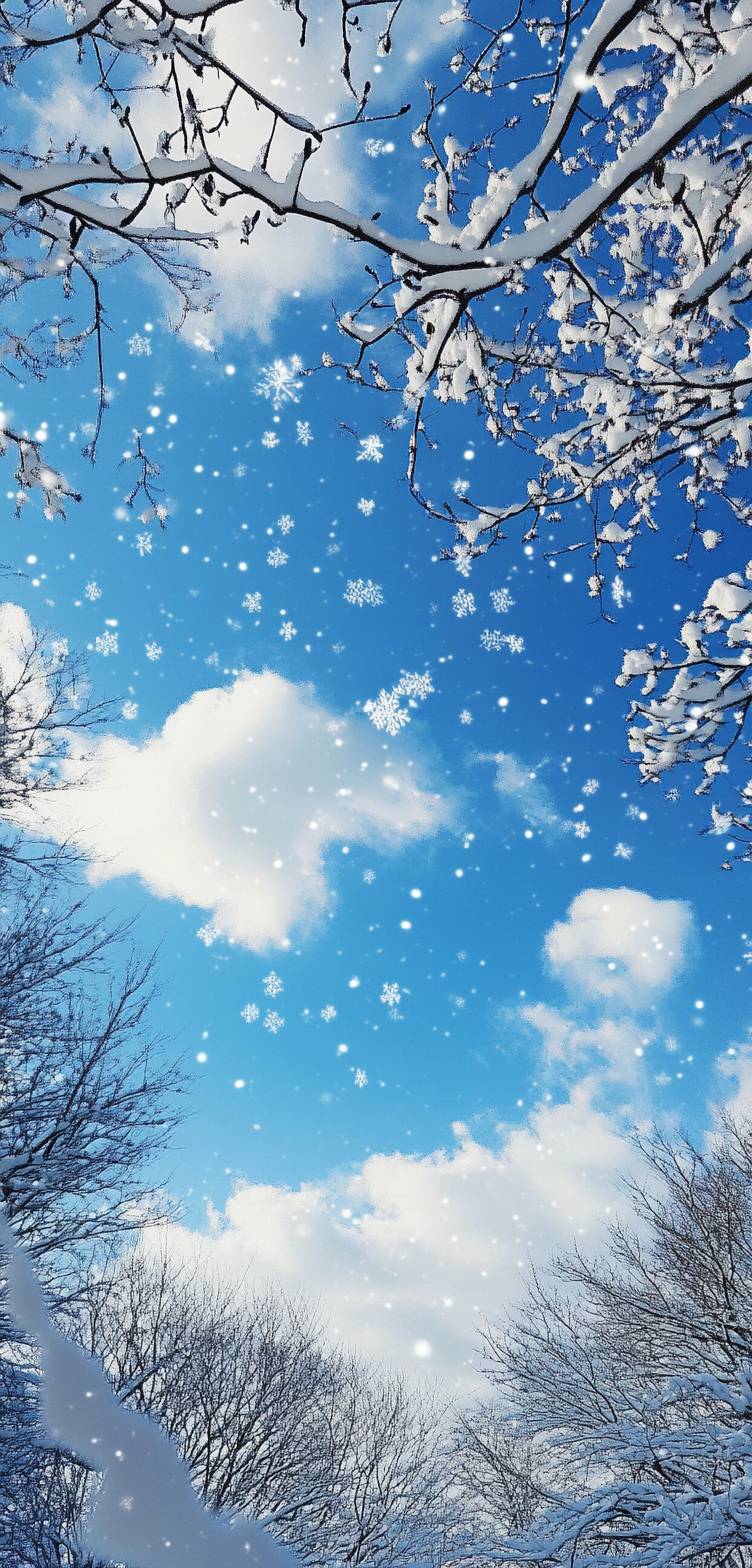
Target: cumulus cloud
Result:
[619, 944]
[408, 1254]
[232, 807]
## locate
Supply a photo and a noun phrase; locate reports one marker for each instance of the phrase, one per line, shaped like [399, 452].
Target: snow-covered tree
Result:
[632, 1376]
[574, 262]
[85, 1097]
[343, 1463]
[85, 1102]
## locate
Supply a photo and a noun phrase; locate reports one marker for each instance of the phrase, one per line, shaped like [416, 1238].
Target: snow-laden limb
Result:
[696, 706]
[578, 271]
[144, 1513]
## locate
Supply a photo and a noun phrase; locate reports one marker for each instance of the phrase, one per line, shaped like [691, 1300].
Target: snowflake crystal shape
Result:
[107, 644]
[273, 1022]
[279, 382]
[463, 603]
[360, 591]
[371, 449]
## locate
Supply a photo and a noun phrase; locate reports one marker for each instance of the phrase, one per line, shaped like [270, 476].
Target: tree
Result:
[343, 1463]
[86, 1103]
[86, 1098]
[44, 703]
[634, 1373]
[602, 227]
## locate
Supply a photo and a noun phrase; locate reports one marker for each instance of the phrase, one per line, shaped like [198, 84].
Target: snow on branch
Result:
[698, 704]
[578, 272]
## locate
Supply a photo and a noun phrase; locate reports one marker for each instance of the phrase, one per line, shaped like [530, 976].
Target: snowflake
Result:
[460, 486]
[466, 716]
[303, 432]
[366, 507]
[270, 439]
[618, 592]
[369, 876]
[414, 685]
[153, 651]
[463, 603]
[277, 557]
[462, 556]
[129, 709]
[285, 523]
[501, 600]
[373, 146]
[208, 934]
[107, 644]
[361, 1078]
[662, 1079]
[59, 649]
[581, 830]
[492, 641]
[633, 812]
[362, 591]
[328, 1013]
[385, 712]
[144, 544]
[371, 449]
[513, 643]
[590, 787]
[672, 794]
[623, 851]
[338, 648]
[252, 603]
[272, 984]
[249, 1013]
[279, 383]
[92, 592]
[287, 631]
[391, 995]
[240, 470]
[273, 1022]
[139, 345]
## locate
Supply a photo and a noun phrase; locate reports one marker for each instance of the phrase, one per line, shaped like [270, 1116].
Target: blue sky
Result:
[456, 915]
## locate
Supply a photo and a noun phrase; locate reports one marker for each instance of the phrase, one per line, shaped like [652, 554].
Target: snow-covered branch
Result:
[605, 226]
[696, 705]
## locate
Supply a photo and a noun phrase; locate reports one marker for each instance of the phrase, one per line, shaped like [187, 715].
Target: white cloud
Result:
[412, 1250]
[522, 790]
[618, 1043]
[620, 944]
[409, 1251]
[234, 804]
